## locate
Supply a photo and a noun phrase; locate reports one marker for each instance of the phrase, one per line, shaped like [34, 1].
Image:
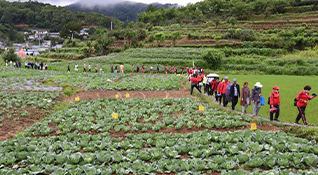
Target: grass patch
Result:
[290, 86]
[67, 89]
[50, 83]
[61, 106]
[304, 132]
[71, 90]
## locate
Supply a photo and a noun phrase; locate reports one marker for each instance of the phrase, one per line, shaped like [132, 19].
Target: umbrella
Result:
[213, 76]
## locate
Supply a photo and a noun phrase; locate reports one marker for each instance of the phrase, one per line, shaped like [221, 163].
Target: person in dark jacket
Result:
[246, 97]
[234, 93]
[302, 101]
[274, 101]
[194, 83]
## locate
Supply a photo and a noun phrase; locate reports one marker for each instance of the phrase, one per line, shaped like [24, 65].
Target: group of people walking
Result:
[226, 91]
[29, 65]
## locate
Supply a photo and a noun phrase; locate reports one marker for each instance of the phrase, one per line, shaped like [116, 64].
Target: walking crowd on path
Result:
[29, 65]
[225, 91]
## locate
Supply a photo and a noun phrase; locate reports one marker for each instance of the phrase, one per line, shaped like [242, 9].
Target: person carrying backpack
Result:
[256, 98]
[274, 102]
[302, 101]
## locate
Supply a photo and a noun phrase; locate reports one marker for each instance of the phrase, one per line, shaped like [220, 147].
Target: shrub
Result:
[10, 55]
[213, 57]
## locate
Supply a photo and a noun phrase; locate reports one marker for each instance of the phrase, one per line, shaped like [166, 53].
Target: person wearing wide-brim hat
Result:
[256, 98]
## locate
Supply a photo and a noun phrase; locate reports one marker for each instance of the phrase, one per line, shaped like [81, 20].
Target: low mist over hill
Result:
[122, 10]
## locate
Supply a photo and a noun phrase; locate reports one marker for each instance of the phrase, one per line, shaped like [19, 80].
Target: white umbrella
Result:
[213, 76]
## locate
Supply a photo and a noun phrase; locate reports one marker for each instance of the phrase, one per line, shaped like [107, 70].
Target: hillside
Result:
[124, 11]
[36, 15]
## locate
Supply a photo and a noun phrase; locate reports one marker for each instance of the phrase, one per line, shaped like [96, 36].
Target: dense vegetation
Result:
[33, 14]
[216, 9]
[124, 11]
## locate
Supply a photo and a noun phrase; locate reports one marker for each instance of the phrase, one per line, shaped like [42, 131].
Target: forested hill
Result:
[222, 9]
[45, 16]
[123, 11]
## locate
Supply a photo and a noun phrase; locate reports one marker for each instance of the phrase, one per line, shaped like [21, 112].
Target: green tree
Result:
[10, 55]
[232, 21]
[213, 57]
[160, 37]
[151, 8]
[175, 36]
[69, 30]
[103, 43]
[216, 22]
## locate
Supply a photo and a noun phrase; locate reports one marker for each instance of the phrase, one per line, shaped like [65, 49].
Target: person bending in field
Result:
[182, 70]
[166, 69]
[96, 69]
[302, 101]
[68, 67]
[274, 102]
[89, 68]
[194, 83]
[157, 69]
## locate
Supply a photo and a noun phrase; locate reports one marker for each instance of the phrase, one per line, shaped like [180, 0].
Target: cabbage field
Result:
[159, 135]
[16, 79]
[153, 136]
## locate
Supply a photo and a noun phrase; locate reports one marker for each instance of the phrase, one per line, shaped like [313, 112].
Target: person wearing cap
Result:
[274, 102]
[234, 93]
[256, 98]
[302, 101]
[223, 90]
[246, 97]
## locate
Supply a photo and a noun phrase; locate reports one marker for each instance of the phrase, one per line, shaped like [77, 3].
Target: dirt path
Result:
[99, 94]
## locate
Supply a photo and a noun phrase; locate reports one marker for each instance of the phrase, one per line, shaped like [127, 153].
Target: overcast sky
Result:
[67, 2]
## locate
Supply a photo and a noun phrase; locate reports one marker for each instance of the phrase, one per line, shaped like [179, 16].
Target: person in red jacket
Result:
[302, 100]
[223, 90]
[274, 101]
[215, 89]
[219, 91]
[194, 83]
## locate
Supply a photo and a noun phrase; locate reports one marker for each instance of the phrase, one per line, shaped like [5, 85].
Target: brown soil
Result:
[99, 94]
[10, 127]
